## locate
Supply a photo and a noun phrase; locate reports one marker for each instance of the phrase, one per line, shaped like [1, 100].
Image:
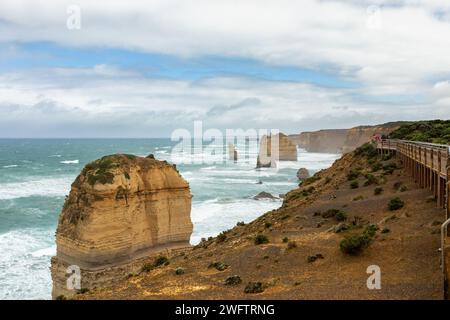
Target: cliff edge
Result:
[341, 140]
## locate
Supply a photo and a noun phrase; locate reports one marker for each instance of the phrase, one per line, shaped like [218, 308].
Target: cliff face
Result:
[287, 150]
[340, 140]
[299, 256]
[321, 141]
[121, 208]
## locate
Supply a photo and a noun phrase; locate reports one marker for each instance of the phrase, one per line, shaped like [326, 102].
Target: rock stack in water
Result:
[287, 150]
[121, 210]
[232, 152]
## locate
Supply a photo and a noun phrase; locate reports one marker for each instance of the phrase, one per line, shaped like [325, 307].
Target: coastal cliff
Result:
[340, 140]
[270, 145]
[317, 245]
[120, 209]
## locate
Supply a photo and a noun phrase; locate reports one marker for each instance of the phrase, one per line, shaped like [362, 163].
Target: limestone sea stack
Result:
[232, 152]
[302, 174]
[121, 209]
[287, 150]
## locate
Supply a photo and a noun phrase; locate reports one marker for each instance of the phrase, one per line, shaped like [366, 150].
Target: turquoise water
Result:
[35, 175]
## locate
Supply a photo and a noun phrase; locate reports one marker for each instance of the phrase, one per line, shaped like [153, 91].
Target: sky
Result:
[145, 68]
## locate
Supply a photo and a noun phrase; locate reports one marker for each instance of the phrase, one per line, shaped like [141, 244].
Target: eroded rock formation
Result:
[303, 174]
[232, 152]
[269, 153]
[120, 209]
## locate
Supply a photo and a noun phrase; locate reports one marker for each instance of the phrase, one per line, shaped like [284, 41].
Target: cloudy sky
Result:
[144, 68]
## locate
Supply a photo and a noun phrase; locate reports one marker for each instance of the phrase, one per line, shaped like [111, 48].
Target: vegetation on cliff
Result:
[435, 131]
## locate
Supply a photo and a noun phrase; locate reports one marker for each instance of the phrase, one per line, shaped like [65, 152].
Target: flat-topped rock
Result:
[122, 208]
[271, 145]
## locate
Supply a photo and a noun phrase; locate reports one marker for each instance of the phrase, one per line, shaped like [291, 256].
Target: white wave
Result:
[42, 187]
[208, 168]
[55, 156]
[50, 251]
[11, 166]
[25, 275]
[70, 161]
[211, 217]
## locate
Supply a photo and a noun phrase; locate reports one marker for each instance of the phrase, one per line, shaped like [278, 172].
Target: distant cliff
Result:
[340, 140]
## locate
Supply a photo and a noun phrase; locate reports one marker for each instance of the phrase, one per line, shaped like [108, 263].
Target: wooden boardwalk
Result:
[427, 163]
[429, 166]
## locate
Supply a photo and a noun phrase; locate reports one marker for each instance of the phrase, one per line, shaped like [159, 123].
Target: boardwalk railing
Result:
[429, 165]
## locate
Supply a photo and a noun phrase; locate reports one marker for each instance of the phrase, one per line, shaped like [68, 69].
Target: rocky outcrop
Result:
[263, 195]
[121, 209]
[340, 140]
[275, 148]
[303, 174]
[232, 152]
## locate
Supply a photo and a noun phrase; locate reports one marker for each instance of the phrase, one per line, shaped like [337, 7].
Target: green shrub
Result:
[267, 224]
[285, 239]
[436, 131]
[367, 150]
[371, 179]
[354, 184]
[179, 271]
[341, 216]
[221, 237]
[403, 188]
[254, 287]
[385, 230]
[220, 266]
[377, 166]
[83, 290]
[261, 239]
[147, 267]
[354, 244]
[389, 168]
[233, 280]
[329, 213]
[395, 204]
[161, 260]
[353, 174]
[360, 197]
[378, 190]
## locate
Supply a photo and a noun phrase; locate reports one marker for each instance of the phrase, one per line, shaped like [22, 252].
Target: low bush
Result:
[161, 260]
[354, 244]
[220, 266]
[233, 280]
[367, 150]
[377, 191]
[371, 179]
[179, 271]
[396, 204]
[341, 215]
[254, 287]
[261, 239]
[353, 174]
[221, 237]
[354, 184]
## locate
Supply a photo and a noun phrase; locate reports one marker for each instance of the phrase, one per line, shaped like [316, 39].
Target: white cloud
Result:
[399, 58]
[79, 102]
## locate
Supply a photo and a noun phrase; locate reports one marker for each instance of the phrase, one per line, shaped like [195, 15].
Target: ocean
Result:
[35, 176]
